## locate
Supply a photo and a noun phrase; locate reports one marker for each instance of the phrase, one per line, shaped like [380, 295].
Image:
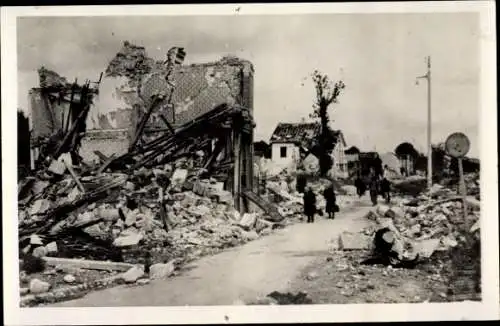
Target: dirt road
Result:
[243, 273]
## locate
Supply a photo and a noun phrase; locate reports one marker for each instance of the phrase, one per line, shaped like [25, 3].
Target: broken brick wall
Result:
[199, 87]
[132, 78]
[202, 87]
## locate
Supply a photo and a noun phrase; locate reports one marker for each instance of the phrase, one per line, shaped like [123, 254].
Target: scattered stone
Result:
[109, 214]
[128, 240]
[265, 232]
[51, 247]
[40, 252]
[133, 274]
[39, 186]
[248, 221]
[143, 281]
[68, 278]
[131, 218]
[261, 224]
[162, 271]
[37, 286]
[24, 291]
[179, 176]
[426, 248]
[382, 209]
[57, 167]
[250, 235]
[40, 206]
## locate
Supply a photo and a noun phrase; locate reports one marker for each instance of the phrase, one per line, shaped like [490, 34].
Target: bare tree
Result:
[327, 93]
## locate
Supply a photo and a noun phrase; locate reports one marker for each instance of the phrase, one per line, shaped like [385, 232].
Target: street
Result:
[243, 273]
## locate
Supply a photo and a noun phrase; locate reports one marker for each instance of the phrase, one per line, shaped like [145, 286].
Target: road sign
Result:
[457, 145]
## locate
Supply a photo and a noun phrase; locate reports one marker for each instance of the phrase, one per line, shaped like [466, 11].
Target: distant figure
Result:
[374, 189]
[360, 186]
[403, 171]
[385, 189]
[309, 205]
[331, 199]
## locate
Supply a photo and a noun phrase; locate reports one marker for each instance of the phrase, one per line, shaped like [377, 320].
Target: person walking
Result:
[331, 201]
[374, 185]
[309, 205]
[385, 188]
[360, 186]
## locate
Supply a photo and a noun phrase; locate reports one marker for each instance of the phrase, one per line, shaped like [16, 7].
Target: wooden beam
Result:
[75, 177]
[237, 170]
[101, 156]
[142, 124]
[164, 119]
[105, 165]
[88, 264]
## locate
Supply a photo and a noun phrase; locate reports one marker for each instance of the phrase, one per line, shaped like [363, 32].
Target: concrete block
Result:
[354, 241]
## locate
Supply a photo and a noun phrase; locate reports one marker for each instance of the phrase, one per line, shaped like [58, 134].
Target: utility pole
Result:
[427, 76]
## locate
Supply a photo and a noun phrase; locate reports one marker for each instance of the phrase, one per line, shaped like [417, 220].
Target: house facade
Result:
[289, 141]
[340, 166]
[291, 145]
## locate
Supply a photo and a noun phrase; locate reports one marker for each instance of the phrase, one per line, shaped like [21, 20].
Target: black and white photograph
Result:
[251, 157]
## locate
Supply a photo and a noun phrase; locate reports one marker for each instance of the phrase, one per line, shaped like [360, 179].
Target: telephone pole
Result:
[427, 76]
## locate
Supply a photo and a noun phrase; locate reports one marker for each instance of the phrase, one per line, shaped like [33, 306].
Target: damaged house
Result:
[145, 113]
[293, 144]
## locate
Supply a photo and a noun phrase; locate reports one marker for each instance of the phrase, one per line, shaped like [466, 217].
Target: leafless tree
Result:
[327, 93]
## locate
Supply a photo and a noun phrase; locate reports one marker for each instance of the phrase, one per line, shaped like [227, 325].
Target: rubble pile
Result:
[131, 211]
[423, 227]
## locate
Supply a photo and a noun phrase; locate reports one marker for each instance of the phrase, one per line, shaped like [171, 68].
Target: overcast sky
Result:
[378, 57]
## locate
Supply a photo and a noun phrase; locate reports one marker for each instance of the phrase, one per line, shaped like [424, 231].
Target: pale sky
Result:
[377, 56]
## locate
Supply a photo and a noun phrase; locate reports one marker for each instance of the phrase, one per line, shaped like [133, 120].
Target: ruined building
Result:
[212, 105]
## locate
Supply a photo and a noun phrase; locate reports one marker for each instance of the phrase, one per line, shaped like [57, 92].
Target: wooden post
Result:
[237, 168]
[462, 190]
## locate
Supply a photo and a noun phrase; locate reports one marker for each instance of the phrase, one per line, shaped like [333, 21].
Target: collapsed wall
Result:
[132, 78]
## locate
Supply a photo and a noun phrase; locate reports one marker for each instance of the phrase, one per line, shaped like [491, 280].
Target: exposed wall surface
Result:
[46, 116]
[202, 87]
[108, 142]
[292, 155]
[132, 78]
[112, 119]
[340, 160]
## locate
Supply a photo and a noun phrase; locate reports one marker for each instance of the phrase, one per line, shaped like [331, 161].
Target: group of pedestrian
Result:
[310, 203]
[377, 185]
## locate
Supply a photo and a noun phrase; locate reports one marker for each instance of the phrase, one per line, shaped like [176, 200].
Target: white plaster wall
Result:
[292, 155]
[114, 95]
[340, 160]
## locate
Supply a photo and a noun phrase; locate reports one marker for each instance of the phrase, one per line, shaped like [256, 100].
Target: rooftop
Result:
[298, 133]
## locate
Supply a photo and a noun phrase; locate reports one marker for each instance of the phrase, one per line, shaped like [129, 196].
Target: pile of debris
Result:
[113, 211]
[417, 228]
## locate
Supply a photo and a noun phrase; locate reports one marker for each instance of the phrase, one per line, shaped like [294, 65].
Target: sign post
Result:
[457, 145]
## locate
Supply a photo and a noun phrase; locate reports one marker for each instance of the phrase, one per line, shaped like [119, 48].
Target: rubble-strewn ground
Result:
[338, 278]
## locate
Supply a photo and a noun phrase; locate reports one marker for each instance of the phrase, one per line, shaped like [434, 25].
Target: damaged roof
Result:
[298, 133]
